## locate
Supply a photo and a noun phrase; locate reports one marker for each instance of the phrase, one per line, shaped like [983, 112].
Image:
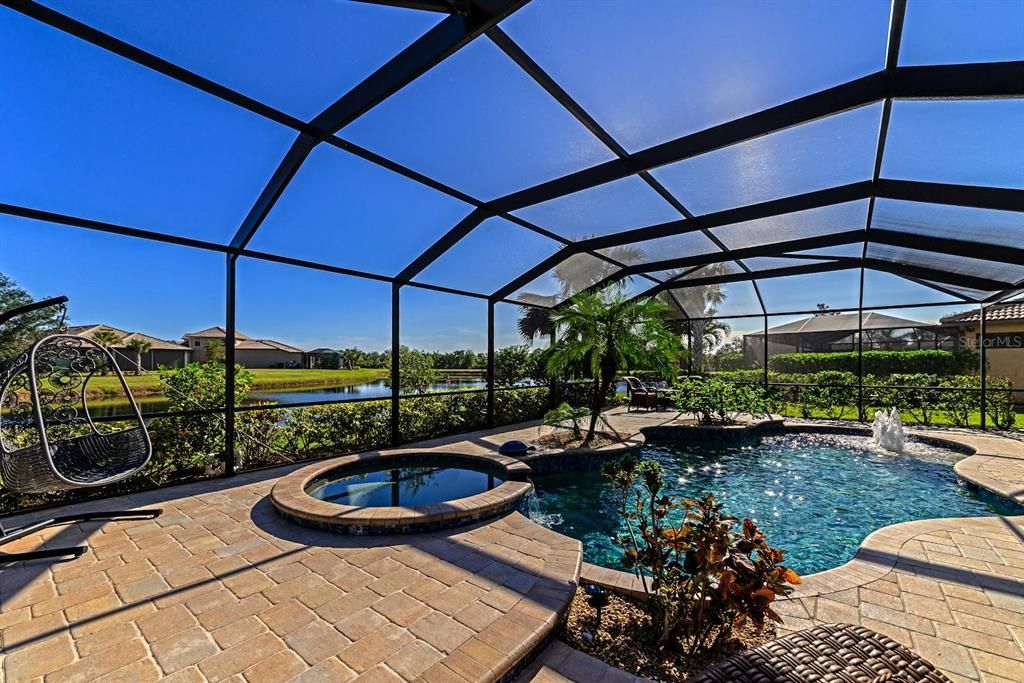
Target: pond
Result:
[376, 389]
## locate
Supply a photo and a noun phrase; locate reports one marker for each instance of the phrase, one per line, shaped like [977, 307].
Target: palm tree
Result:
[702, 303]
[574, 275]
[108, 339]
[605, 331]
[350, 358]
[138, 346]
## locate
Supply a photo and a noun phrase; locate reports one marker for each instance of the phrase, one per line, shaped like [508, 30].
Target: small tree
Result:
[18, 334]
[606, 331]
[138, 346]
[108, 339]
[350, 358]
[415, 371]
[214, 351]
[511, 363]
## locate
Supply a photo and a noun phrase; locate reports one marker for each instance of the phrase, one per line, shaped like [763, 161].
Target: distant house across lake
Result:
[161, 352]
[252, 353]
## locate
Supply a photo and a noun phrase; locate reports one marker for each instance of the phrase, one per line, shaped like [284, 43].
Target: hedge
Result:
[189, 448]
[933, 361]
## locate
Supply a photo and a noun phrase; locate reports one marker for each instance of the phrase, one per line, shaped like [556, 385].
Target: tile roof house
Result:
[252, 353]
[832, 332]
[161, 351]
[1004, 339]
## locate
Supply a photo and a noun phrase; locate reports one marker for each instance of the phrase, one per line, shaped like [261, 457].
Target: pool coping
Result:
[879, 551]
[291, 500]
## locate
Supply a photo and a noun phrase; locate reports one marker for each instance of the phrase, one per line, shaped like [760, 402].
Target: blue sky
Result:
[86, 133]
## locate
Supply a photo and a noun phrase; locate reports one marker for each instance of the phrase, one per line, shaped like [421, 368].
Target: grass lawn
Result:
[148, 384]
[939, 419]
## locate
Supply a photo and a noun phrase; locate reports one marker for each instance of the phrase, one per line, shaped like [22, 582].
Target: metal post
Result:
[861, 415]
[229, 366]
[984, 371]
[396, 435]
[689, 345]
[490, 364]
[765, 352]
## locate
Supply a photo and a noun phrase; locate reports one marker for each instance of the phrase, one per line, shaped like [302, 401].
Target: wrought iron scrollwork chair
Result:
[48, 439]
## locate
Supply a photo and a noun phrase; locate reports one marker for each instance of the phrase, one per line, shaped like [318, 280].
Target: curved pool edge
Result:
[292, 501]
[879, 552]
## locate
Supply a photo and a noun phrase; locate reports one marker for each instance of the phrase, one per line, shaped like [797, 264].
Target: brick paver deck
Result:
[221, 588]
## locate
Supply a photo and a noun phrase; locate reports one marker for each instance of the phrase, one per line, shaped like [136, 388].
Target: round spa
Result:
[400, 493]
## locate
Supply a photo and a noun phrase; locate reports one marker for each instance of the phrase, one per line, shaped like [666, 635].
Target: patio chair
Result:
[640, 396]
[832, 652]
[48, 440]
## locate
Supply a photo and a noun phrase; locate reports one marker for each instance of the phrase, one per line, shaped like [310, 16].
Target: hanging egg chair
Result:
[48, 440]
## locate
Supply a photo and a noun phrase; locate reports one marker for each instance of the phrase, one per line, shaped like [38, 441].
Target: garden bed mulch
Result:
[627, 639]
[566, 441]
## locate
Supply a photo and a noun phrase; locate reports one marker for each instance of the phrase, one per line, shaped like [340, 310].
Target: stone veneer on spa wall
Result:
[292, 499]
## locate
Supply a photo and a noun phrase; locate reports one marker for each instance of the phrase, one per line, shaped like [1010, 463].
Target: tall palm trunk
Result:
[602, 383]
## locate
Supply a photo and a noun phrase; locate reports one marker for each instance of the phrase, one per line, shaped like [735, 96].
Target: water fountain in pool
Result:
[887, 431]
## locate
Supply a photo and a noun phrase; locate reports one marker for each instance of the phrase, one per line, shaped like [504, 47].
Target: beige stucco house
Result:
[1004, 334]
[161, 352]
[252, 353]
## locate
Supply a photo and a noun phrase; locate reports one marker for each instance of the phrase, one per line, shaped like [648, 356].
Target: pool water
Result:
[405, 486]
[815, 496]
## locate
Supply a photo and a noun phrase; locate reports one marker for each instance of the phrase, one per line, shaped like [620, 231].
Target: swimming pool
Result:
[817, 496]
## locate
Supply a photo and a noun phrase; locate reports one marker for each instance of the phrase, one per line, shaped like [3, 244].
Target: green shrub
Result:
[564, 416]
[931, 361]
[705, 577]
[716, 401]
[831, 392]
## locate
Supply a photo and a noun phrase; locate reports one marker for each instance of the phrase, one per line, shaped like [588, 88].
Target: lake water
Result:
[376, 389]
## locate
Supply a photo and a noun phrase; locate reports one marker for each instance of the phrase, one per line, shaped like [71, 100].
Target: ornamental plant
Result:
[702, 577]
[565, 417]
[715, 401]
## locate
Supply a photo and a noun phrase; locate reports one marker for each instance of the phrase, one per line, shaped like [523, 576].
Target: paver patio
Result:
[221, 588]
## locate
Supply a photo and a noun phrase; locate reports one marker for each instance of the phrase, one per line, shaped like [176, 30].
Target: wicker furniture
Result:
[833, 653]
[639, 395]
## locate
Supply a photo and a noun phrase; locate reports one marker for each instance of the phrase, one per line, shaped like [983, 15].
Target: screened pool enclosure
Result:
[798, 158]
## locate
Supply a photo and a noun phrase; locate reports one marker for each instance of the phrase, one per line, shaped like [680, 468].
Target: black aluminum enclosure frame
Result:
[469, 20]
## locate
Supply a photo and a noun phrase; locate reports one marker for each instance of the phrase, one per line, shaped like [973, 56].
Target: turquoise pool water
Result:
[816, 496]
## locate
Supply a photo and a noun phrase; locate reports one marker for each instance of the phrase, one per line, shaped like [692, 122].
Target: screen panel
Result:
[344, 211]
[511, 134]
[957, 32]
[310, 335]
[296, 57]
[965, 142]
[952, 263]
[88, 133]
[837, 289]
[157, 294]
[690, 66]
[663, 248]
[955, 222]
[832, 151]
[798, 225]
[886, 289]
[573, 275]
[612, 207]
[448, 333]
[494, 253]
